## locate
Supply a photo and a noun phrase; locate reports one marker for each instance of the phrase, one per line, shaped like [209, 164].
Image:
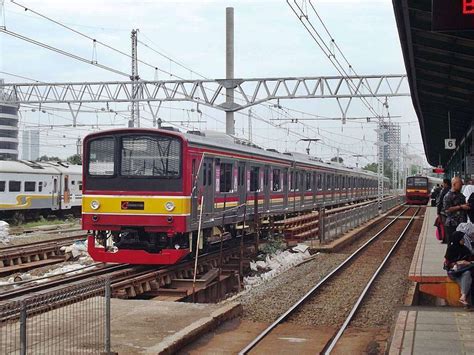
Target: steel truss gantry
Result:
[212, 92]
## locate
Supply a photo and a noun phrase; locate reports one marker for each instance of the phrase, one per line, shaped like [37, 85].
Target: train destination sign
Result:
[453, 15]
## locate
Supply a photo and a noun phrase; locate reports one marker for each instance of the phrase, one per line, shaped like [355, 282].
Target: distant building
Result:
[8, 132]
[30, 145]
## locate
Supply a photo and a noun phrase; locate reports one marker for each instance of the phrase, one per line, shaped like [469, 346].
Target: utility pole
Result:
[229, 68]
[135, 114]
[380, 159]
[250, 125]
[79, 146]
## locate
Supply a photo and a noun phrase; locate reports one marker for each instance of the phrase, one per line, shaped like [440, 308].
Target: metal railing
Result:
[71, 321]
[333, 225]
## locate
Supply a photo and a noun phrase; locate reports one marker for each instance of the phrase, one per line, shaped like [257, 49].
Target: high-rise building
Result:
[8, 131]
[392, 150]
[30, 145]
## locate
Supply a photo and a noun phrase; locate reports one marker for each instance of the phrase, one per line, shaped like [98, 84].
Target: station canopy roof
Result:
[440, 68]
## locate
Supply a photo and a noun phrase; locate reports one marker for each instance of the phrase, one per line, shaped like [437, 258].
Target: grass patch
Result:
[46, 222]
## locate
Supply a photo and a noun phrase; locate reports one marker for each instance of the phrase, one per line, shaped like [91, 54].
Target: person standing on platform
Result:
[439, 206]
[467, 192]
[455, 207]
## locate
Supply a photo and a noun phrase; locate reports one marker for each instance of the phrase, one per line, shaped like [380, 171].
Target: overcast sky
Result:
[269, 42]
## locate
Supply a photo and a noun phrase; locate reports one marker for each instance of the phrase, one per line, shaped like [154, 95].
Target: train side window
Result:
[30, 186]
[301, 185]
[308, 182]
[285, 179]
[319, 182]
[40, 186]
[225, 177]
[204, 174]
[2, 186]
[14, 186]
[276, 180]
[254, 179]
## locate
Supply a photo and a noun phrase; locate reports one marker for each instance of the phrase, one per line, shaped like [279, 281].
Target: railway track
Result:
[126, 281]
[353, 268]
[24, 257]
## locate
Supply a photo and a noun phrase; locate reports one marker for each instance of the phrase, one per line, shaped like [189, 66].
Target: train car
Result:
[31, 189]
[418, 190]
[145, 190]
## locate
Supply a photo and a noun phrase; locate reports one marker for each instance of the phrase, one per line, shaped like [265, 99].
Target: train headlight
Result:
[169, 206]
[95, 205]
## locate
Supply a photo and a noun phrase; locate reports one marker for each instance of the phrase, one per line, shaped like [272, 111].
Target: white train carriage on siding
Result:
[36, 188]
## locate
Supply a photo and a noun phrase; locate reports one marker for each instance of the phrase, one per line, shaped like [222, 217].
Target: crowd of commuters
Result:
[455, 208]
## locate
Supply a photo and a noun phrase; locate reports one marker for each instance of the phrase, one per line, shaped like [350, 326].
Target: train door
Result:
[66, 193]
[332, 183]
[55, 195]
[321, 188]
[303, 189]
[208, 185]
[266, 188]
[314, 187]
[241, 183]
[194, 189]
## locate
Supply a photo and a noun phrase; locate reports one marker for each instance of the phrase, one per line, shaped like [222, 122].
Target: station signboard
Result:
[450, 143]
[452, 15]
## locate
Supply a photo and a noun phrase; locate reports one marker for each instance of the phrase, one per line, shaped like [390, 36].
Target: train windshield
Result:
[417, 182]
[102, 156]
[154, 156]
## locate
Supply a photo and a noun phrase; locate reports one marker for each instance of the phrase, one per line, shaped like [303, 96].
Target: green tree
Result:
[75, 159]
[387, 167]
[46, 158]
[371, 167]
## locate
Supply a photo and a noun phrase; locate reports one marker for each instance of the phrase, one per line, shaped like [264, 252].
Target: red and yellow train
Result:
[418, 189]
[142, 190]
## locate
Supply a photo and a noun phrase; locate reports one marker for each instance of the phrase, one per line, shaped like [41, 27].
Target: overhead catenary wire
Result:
[95, 41]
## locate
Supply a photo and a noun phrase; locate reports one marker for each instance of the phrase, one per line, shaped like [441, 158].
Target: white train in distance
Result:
[32, 189]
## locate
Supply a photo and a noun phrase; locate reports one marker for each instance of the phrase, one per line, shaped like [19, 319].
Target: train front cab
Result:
[417, 192]
[135, 202]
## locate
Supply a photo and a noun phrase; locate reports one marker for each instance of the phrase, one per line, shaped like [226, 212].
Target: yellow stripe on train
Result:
[149, 205]
[24, 201]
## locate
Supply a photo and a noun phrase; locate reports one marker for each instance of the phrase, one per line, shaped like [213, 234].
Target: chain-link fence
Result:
[75, 320]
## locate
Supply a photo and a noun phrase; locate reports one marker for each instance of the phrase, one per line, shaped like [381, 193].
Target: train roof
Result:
[227, 142]
[224, 141]
[31, 167]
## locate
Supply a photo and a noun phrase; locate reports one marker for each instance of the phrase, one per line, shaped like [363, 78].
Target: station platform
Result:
[446, 330]
[427, 264]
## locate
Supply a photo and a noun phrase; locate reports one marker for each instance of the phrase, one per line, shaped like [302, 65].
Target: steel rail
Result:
[40, 243]
[302, 300]
[330, 346]
[58, 282]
